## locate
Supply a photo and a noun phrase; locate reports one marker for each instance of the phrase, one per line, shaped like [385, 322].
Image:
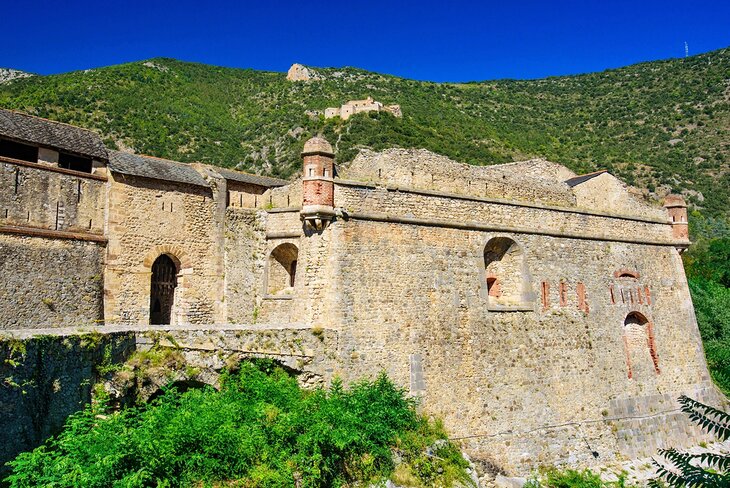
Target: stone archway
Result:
[162, 289]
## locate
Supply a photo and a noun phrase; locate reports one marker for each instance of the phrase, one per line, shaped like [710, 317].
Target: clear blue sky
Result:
[428, 40]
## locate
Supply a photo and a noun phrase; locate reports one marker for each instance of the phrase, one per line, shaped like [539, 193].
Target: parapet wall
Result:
[488, 214]
[422, 169]
[33, 196]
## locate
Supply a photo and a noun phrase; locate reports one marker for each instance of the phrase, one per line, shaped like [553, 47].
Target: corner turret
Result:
[318, 160]
[677, 209]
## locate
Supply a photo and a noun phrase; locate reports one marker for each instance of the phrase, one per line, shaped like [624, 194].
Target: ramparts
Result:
[544, 315]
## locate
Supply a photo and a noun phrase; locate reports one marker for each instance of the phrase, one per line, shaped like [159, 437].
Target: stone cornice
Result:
[476, 226]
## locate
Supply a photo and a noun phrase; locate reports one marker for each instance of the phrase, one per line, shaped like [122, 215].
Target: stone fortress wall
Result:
[544, 315]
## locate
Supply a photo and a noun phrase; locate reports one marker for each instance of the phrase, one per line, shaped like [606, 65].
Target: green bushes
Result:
[259, 430]
[569, 478]
[708, 269]
[706, 470]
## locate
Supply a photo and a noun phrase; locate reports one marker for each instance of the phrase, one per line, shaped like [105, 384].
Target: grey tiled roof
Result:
[155, 168]
[266, 181]
[36, 130]
[583, 178]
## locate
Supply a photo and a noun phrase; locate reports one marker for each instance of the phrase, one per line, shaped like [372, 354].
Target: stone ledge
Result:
[51, 234]
[53, 169]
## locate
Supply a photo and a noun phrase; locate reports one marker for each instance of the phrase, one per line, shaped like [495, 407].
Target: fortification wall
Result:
[522, 388]
[148, 218]
[39, 198]
[423, 169]
[49, 283]
[448, 208]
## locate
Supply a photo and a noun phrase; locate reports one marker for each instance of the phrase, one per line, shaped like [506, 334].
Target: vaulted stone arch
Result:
[175, 252]
[281, 268]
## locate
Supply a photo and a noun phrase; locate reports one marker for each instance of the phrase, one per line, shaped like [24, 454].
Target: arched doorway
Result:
[162, 289]
[639, 344]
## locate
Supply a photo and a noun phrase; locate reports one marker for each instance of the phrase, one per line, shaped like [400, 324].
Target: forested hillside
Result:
[660, 125]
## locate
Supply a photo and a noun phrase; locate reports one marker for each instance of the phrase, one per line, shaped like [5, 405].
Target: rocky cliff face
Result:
[299, 72]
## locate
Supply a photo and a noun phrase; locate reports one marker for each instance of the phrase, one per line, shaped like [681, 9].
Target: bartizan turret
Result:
[318, 186]
[677, 209]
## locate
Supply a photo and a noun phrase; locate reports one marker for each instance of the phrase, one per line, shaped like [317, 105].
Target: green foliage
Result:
[569, 478]
[259, 430]
[706, 470]
[708, 268]
[710, 260]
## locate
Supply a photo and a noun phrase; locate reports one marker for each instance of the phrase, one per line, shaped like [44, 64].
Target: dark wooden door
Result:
[162, 291]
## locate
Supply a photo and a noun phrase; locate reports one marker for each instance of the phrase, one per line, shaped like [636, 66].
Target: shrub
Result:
[260, 429]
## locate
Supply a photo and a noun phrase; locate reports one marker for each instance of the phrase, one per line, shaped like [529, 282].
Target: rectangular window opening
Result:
[75, 163]
[16, 150]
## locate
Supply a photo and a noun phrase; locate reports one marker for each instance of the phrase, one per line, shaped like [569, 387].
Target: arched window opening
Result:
[507, 284]
[639, 344]
[282, 268]
[626, 273]
[162, 290]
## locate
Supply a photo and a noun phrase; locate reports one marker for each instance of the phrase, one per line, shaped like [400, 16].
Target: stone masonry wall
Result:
[148, 218]
[46, 379]
[245, 260]
[48, 200]
[426, 170]
[521, 388]
[403, 203]
[49, 283]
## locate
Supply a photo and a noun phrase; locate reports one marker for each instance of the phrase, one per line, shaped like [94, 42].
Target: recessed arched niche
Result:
[506, 276]
[282, 269]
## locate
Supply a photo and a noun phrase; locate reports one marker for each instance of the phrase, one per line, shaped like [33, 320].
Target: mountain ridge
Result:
[661, 125]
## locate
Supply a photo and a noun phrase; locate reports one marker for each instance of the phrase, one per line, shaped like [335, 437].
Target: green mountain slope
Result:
[660, 125]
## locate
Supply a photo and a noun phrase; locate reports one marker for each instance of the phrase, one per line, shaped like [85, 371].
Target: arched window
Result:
[162, 289]
[639, 344]
[282, 268]
[506, 274]
[626, 273]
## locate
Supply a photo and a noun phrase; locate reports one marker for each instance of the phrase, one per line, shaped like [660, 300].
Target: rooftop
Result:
[47, 133]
